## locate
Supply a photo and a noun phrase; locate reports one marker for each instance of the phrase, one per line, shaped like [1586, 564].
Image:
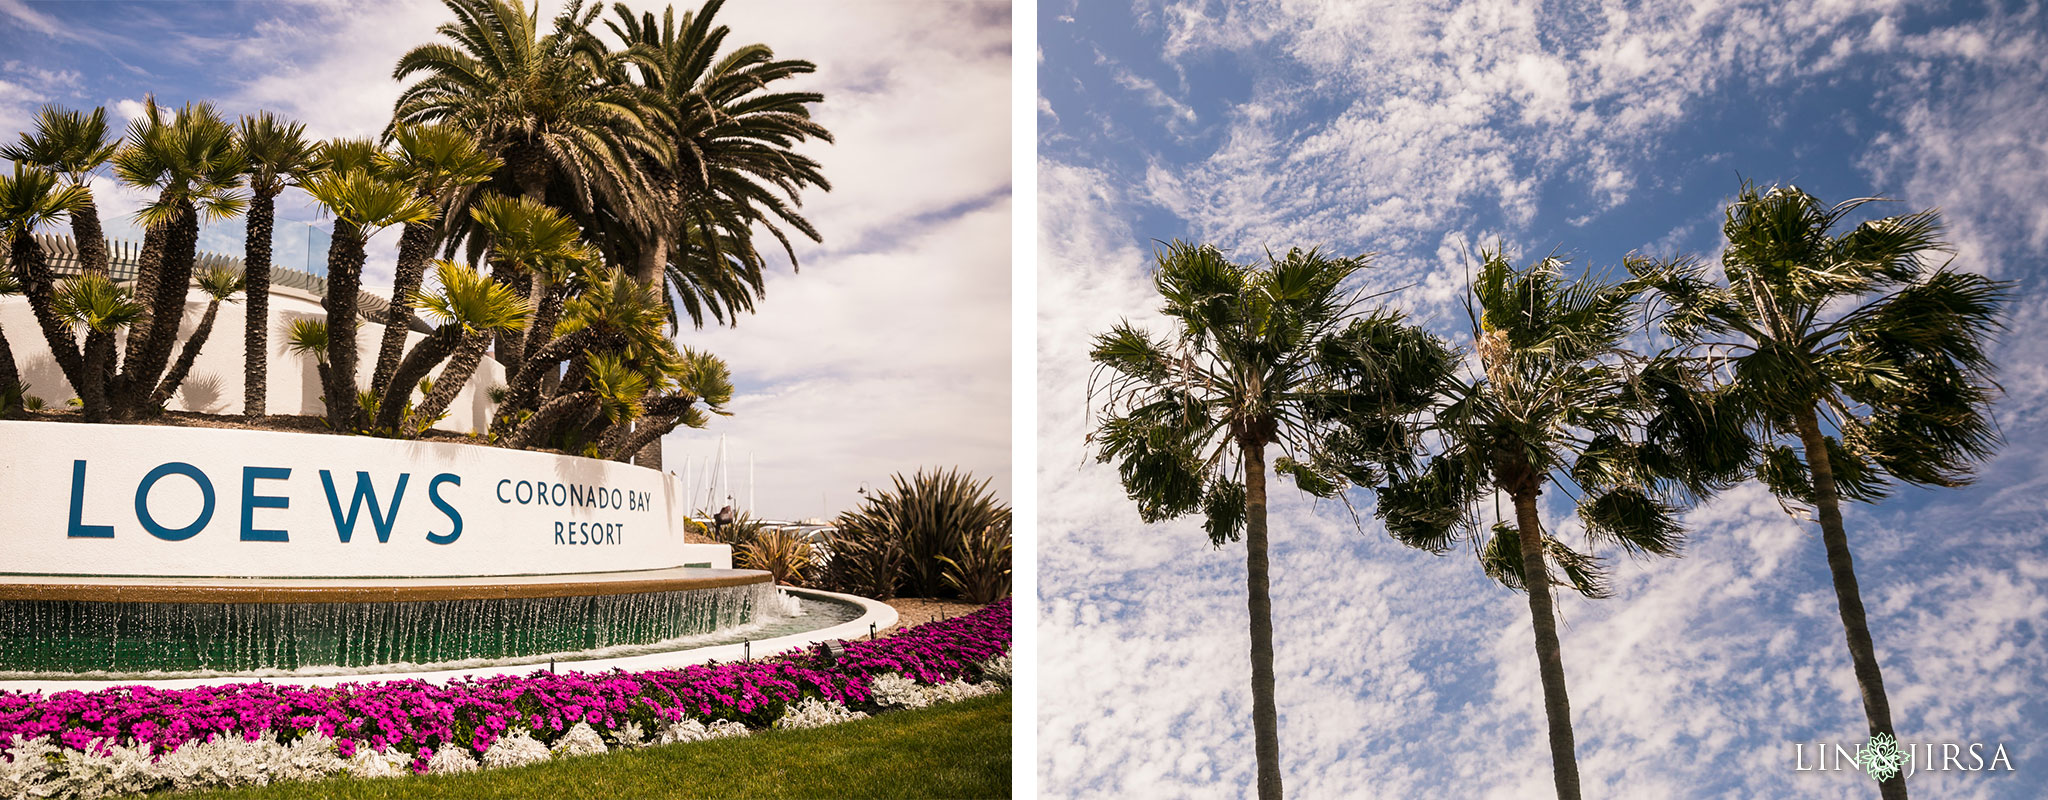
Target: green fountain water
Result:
[69, 636]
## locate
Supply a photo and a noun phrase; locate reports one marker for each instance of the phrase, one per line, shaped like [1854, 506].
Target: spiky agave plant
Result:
[934, 513]
[864, 553]
[980, 570]
[780, 552]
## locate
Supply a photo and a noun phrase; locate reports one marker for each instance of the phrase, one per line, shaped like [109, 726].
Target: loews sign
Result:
[144, 500]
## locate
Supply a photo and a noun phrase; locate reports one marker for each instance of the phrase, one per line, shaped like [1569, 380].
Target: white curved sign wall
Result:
[164, 501]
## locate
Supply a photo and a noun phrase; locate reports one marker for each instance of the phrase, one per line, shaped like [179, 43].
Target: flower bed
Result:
[138, 738]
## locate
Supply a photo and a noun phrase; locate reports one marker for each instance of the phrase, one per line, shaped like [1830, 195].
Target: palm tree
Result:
[538, 101]
[192, 160]
[30, 199]
[690, 384]
[1559, 401]
[614, 316]
[440, 163]
[73, 144]
[93, 301]
[362, 204]
[1858, 361]
[219, 284]
[525, 237]
[278, 155]
[719, 158]
[1264, 355]
[476, 307]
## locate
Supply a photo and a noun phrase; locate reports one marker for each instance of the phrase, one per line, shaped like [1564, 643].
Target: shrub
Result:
[783, 553]
[932, 518]
[980, 569]
[864, 556]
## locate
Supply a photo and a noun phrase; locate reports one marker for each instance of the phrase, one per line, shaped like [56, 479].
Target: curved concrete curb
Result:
[876, 616]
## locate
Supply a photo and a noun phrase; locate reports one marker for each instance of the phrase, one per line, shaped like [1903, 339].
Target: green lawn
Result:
[958, 750]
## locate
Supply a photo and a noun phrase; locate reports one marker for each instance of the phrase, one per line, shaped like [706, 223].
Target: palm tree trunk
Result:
[536, 428]
[426, 355]
[448, 384]
[511, 344]
[38, 284]
[1557, 705]
[1848, 598]
[344, 283]
[1265, 715]
[414, 247]
[540, 332]
[649, 455]
[256, 278]
[524, 391]
[10, 375]
[90, 237]
[99, 364]
[147, 265]
[183, 367]
[167, 310]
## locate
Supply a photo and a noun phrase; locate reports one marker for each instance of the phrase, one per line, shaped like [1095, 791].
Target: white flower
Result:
[581, 740]
[515, 748]
[120, 770]
[386, 763]
[308, 758]
[815, 713]
[997, 669]
[956, 691]
[30, 767]
[220, 761]
[451, 759]
[895, 691]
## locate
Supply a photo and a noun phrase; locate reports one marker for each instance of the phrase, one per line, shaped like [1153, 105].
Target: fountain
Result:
[133, 551]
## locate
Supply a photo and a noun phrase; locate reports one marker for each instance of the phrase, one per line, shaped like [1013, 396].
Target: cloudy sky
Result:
[887, 353]
[1417, 131]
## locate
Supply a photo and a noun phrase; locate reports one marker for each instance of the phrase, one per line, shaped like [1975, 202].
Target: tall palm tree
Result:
[278, 155]
[720, 157]
[1275, 354]
[1859, 360]
[192, 160]
[476, 307]
[1559, 401]
[538, 101]
[73, 144]
[362, 204]
[440, 163]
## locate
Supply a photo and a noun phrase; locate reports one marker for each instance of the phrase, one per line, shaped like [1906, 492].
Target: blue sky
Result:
[889, 352]
[1421, 132]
